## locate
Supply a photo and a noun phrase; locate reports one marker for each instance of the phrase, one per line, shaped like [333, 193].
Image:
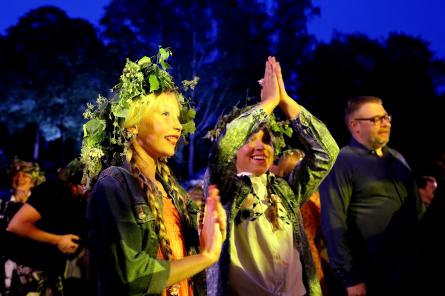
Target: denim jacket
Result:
[124, 241]
[321, 151]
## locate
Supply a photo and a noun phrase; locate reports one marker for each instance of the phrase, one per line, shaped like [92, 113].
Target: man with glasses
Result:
[370, 207]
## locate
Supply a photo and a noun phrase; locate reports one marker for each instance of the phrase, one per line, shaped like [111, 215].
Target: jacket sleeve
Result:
[119, 244]
[222, 157]
[335, 196]
[321, 150]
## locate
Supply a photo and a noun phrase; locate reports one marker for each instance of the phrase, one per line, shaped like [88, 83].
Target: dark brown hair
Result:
[355, 103]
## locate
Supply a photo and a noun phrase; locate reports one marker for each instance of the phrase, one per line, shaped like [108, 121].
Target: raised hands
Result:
[273, 86]
[270, 93]
[213, 231]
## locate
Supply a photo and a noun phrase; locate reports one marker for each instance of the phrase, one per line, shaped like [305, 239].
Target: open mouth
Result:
[172, 139]
[258, 157]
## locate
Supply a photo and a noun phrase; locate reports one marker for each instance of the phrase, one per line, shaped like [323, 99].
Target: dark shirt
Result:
[431, 250]
[61, 214]
[369, 211]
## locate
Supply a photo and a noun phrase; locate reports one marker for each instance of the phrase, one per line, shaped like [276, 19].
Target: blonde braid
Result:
[164, 172]
[152, 192]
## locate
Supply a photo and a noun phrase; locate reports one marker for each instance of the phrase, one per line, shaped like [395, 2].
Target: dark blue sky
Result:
[376, 18]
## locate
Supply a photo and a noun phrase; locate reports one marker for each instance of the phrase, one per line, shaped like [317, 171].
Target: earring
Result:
[133, 130]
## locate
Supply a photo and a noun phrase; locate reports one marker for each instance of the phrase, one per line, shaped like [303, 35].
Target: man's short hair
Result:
[72, 173]
[355, 103]
[423, 181]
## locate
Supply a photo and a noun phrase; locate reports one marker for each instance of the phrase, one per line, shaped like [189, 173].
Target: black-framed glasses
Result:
[376, 119]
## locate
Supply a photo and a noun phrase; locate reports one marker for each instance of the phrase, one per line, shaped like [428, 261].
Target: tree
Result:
[401, 70]
[52, 66]
[225, 43]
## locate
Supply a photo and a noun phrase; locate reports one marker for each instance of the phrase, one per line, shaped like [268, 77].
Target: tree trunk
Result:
[35, 154]
[191, 158]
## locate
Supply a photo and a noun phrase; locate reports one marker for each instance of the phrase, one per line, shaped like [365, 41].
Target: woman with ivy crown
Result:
[143, 228]
[267, 252]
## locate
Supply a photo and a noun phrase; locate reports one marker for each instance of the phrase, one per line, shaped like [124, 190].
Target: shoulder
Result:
[346, 156]
[115, 172]
[47, 190]
[347, 151]
[398, 156]
[395, 152]
[112, 180]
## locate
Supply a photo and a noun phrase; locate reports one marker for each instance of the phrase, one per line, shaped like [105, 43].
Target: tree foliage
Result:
[225, 43]
[52, 65]
[400, 69]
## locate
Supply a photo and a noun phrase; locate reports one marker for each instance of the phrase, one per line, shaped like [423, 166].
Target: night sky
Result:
[375, 18]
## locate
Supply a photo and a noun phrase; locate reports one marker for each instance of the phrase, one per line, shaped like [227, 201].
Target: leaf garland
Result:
[279, 129]
[105, 141]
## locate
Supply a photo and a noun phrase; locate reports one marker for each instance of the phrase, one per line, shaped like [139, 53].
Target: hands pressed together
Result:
[273, 92]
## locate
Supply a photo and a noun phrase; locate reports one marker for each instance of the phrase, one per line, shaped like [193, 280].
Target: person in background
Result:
[427, 187]
[370, 207]
[24, 177]
[267, 251]
[142, 224]
[431, 257]
[196, 192]
[52, 221]
[287, 162]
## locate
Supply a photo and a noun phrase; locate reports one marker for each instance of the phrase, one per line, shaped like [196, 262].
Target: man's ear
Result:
[352, 124]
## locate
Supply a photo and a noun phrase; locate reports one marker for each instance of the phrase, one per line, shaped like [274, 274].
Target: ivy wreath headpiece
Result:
[105, 141]
[30, 168]
[278, 129]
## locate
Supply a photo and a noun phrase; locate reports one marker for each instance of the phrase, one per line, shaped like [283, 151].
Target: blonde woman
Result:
[143, 226]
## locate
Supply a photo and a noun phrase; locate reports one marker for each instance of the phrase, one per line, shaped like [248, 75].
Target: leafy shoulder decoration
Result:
[278, 129]
[105, 140]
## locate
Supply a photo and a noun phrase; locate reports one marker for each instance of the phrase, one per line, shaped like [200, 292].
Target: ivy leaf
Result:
[121, 112]
[188, 128]
[165, 65]
[144, 62]
[191, 114]
[94, 130]
[164, 54]
[154, 82]
[288, 131]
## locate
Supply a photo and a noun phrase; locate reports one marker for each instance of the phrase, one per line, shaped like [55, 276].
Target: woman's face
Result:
[256, 156]
[22, 180]
[160, 129]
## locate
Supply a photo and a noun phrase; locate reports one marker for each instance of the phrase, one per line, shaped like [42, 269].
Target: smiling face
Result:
[160, 129]
[374, 135]
[22, 181]
[256, 156]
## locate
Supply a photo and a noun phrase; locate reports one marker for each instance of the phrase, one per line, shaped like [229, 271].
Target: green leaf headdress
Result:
[105, 140]
[278, 129]
[30, 168]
